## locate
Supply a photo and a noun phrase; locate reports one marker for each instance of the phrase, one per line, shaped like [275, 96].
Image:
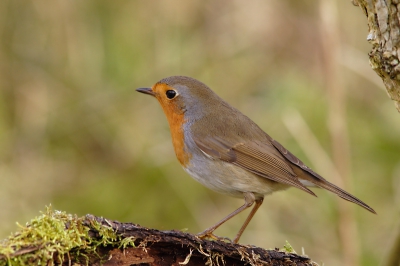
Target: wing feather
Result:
[259, 158]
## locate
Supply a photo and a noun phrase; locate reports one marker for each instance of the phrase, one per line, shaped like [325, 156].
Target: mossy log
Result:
[56, 238]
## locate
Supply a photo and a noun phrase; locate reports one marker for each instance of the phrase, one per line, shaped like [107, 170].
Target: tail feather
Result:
[341, 193]
[311, 177]
[307, 176]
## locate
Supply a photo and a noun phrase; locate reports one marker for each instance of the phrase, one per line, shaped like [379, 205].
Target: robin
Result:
[227, 152]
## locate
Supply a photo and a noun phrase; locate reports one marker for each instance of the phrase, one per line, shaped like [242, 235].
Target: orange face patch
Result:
[175, 118]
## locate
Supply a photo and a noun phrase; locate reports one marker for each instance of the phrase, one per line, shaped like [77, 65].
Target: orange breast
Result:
[176, 120]
[175, 124]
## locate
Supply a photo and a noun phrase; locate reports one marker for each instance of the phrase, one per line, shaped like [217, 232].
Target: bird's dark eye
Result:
[170, 94]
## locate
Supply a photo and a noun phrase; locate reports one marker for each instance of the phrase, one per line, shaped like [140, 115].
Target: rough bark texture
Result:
[154, 247]
[57, 238]
[384, 35]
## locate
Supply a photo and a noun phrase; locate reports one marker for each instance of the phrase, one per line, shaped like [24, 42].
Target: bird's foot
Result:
[211, 236]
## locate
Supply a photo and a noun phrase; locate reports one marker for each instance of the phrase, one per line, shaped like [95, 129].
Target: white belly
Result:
[230, 179]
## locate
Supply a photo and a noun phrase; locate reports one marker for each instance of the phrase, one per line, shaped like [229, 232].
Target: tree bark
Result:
[156, 247]
[57, 238]
[384, 35]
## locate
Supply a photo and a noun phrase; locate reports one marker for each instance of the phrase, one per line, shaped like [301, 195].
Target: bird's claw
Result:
[207, 235]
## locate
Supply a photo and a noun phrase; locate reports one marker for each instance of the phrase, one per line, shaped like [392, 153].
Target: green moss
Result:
[55, 237]
[288, 248]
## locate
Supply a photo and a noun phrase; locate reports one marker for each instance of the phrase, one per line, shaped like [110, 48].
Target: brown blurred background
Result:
[76, 135]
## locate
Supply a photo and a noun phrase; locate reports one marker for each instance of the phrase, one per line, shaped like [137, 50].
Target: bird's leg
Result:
[253, 211]
[249, 199]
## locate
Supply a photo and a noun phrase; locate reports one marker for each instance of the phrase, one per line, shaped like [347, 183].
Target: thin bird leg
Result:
[253, 211]
[249, 199]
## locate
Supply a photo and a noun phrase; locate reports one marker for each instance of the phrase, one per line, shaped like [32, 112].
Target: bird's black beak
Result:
[146, 91]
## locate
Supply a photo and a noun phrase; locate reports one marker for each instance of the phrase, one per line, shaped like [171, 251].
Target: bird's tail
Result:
[319, 181]
[342, 193]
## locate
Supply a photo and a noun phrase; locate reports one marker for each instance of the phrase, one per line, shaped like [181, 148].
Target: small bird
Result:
[227, 152]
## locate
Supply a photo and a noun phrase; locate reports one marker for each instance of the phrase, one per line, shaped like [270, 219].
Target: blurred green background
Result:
[74, 133]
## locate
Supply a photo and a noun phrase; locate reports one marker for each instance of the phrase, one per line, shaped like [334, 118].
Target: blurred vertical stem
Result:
[393, 258]
[330, 39]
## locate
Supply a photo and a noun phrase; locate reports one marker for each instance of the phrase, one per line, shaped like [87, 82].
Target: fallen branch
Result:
[56, 238]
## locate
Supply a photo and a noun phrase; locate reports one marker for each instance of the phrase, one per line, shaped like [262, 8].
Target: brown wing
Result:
[259, 158]
[316, 178]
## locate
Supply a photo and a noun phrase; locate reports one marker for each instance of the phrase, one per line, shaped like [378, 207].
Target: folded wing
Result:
[257, 157]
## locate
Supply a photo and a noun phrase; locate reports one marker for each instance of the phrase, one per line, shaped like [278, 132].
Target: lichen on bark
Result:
[384, 35]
